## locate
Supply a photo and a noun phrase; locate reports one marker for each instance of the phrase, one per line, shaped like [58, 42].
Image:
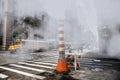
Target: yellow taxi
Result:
[14, 47]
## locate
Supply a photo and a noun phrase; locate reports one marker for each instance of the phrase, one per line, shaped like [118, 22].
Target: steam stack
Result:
[62, 66]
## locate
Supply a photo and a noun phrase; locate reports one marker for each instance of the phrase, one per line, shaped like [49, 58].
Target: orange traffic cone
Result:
[62, 66]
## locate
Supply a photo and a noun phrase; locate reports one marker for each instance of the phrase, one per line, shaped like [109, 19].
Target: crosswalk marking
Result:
[44, 63]
[50, 58]
[23, 73]
[47, 59]
[36, 65]
[28, 68]
[3, 76]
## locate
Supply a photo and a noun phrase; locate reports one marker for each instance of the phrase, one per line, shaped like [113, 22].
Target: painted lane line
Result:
[49, 60]
[47, 63]
[22, 73]
[3, 76]
[44, 63]
[36, 65]
[29, 68]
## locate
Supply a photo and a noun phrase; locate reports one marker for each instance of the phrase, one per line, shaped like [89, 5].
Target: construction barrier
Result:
[72, 61]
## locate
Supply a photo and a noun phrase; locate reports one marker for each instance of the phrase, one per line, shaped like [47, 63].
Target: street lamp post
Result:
[5, 25]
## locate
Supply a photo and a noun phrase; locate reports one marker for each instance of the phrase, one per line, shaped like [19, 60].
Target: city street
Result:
[59, 40]
[40, 64]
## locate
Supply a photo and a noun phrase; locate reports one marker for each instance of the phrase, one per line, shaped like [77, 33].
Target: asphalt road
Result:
[90, 68]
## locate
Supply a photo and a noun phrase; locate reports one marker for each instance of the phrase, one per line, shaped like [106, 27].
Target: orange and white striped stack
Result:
[61, 49]
[62, 66]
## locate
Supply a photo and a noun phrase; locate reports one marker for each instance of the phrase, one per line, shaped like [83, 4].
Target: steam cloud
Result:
[84, 22]
[84, 18]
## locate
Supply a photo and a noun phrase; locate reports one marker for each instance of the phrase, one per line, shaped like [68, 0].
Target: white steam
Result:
[83, 18]
[108, 15]
[81, 23]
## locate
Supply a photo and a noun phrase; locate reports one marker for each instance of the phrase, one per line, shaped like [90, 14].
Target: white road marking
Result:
[48, 60]
[44, 63]
[22, 73]
[3, 76]
[29, 68]
[36, 65]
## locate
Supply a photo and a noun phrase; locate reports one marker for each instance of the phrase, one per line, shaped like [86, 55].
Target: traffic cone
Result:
[62, 66]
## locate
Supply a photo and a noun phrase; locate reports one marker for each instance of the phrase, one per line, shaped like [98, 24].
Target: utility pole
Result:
[8, 23]
[4, 28]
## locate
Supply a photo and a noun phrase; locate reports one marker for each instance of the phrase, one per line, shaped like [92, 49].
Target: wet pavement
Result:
[99, 69]
[90, 68]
